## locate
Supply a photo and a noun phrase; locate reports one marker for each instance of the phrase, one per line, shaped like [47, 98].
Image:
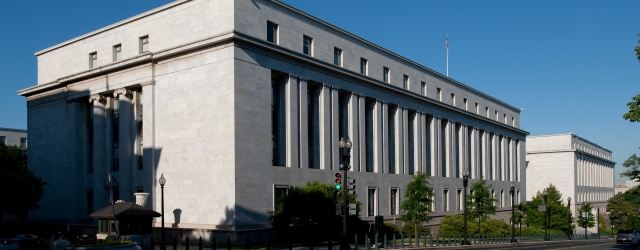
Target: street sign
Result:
[542, 208]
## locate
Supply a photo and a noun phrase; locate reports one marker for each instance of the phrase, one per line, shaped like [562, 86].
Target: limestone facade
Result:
[14, 137]
[230, 117]
[579, 169]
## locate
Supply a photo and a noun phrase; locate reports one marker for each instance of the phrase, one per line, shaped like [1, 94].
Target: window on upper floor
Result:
[93, 60]
[477, 109]
[3, 140]
[307, 47]
[497, 119]
[144, 44]
[117, 52]
[453, 99]
[385, 74]
[23, 143]
[405, 81]
[394, 201]
[272, 32]
[337, 56]
[439, 94]
[466, 105]
[486, 110]
[505, 118]
[363, 66]
[423, 88]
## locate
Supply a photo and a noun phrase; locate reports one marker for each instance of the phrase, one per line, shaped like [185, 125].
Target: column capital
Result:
[294, 76]
[334, 87]
[97, 97]
[152, 82]
[303, 79]
[122, 92]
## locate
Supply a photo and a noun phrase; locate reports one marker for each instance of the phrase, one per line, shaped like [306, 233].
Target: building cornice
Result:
[571, 151]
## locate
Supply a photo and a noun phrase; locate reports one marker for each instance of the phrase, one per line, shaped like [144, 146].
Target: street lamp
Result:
[569, 231]
[465, 183]
[162, 181]
[546, 216]
[512, 189]
[345, 148]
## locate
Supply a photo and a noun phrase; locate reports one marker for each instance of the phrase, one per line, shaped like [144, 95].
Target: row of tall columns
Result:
[463, 146]
[594, 174]
[594, 196]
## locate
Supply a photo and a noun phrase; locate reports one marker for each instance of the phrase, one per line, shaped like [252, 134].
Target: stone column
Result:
[303, 124]
[335, 132]
[149, 155]
[354, 132]
[421, 142]
[405, 141]
[126, 143]
[378, 142]
[362, 133]
[100, 195]
[449, 148]
[436, 149]
[385, 137]
[292, 123]
[399, 142]
[325, 127]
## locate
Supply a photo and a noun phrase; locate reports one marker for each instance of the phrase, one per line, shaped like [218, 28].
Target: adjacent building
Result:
[233, 101]
[13, 137]
[579, 169]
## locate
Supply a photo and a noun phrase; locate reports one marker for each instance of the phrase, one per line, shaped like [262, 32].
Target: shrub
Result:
[452, 225]
[408, 229]
[389, 229]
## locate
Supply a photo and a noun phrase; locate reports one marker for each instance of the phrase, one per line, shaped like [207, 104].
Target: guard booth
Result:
[134, 222]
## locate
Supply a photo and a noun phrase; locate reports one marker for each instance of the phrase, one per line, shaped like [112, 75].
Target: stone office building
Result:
[235, 100]
[579, 169]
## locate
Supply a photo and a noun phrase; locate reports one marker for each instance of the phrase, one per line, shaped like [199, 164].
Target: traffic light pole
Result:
[345, 202]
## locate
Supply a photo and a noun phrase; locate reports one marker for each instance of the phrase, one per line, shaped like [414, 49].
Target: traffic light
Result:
[351, 185]
[338, 180]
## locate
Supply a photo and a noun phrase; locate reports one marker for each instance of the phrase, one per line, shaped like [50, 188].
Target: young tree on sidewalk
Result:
[480, 202]
[416, 206]
[586, 218]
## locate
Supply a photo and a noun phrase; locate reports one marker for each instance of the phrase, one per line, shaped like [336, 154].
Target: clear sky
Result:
[569, 65]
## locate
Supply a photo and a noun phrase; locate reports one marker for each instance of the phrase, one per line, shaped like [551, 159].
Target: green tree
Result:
[312, 204]
[632, 164]
[418, 196]
[20, 189]
[559, 215]
[586, 218]
[637, 49]
[480, 203]
[620, 211]
[632, 195]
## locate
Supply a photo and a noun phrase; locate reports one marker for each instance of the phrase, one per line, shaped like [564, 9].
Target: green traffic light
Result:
[338, 186]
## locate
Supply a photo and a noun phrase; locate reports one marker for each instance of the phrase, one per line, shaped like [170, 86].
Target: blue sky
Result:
[569, 65]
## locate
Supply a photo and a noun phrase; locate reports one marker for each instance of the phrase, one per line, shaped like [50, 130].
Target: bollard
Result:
[394, 241]
[200, 243]
[401, 240]
[376, 242]
[437, 240]
[410, 241]
[269, 243]
[449, 239]
[356, 242]
[430, 240]
[214, 244]
[385, 241]
[366, 242]
[229, 242]
[424, 240]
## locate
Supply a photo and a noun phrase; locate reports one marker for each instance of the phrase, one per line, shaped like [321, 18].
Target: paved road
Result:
[573, 245]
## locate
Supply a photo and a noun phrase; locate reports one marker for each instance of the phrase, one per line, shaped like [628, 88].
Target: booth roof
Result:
[124, 210]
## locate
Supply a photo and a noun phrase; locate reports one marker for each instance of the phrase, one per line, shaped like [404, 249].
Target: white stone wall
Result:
[12, 136]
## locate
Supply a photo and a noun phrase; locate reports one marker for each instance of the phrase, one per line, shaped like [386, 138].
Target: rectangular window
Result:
[93, 60]
[363, 66]
[431, 207]
[117, 52]
[505, 118]
[385, 74]
[89, 201]
[307, 47]
[405, 81]
[445, 200]
[453, 99]
[277, 123]
[493, 195]
[144, 44]
[115, 135]
[477, 109]
[496, 112]
[423, 88]
[90, 139]
[371, 202]
[513, 121]
[459, 200]
[502, 198]
[23, 143]
[439, 94]
[343, 113]
[279, 192]
[486, 110]
[466, 105]
[272, 32]
[3, 140]
[394, 201]
[337, 56]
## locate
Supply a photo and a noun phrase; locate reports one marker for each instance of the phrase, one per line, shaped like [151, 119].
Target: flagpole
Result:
[447, 45]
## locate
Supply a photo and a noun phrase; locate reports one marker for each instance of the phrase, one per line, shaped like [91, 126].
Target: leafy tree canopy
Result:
[20, 189]
[638, 49]
[632, 164]
[634, 110]
[418, 197]
[619, 210]
[589, 220]
[480, 202]
[559, 214]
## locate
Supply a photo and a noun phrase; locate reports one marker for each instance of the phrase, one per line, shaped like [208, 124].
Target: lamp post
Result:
[345, 148]
[162, 181]
[520, 219]
[512, 189]
[465, 183]
[546, 216]
[569, 231]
